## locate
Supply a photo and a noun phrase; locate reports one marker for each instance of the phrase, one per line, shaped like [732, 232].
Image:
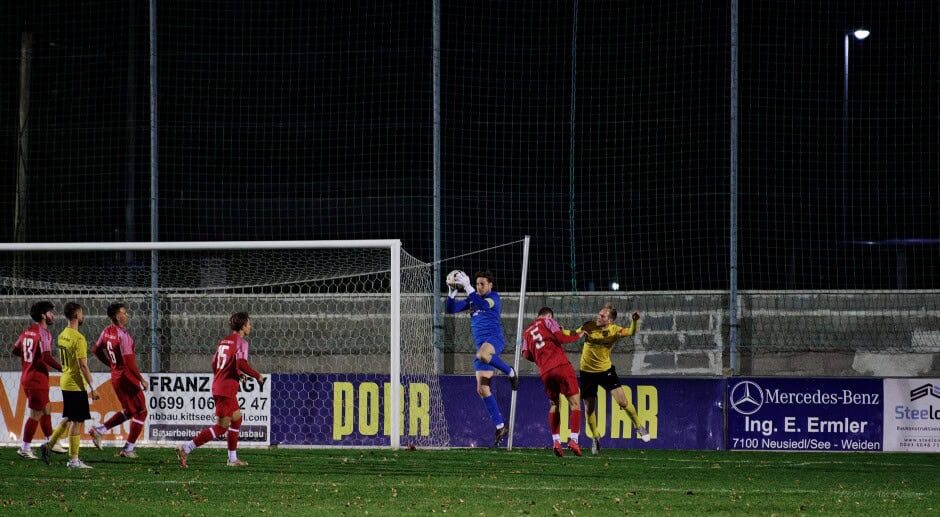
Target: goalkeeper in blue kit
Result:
[485, 312]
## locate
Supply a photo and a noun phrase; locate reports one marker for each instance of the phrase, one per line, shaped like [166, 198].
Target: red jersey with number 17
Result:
[543, 345]
[225, 364]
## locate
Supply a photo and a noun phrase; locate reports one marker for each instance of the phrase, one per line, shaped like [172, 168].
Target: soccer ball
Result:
[452, 279]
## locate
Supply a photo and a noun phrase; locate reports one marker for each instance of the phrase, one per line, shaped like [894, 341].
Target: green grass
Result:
[473, 482]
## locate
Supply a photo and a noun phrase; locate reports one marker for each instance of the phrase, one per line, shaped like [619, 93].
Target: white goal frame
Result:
[393, 245]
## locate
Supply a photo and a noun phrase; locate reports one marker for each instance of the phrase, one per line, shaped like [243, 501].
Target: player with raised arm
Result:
[76, 376]
[229, 366]
[34, 348]
[597, 370]
[485, 312]
[543, 342]
[115, 348]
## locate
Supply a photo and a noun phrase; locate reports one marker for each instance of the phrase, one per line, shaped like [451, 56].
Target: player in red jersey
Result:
[543, 344]
[229, 366]
[34, 347]
[115, 348]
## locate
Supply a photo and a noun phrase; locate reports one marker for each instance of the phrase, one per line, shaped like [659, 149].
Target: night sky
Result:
[604, 133]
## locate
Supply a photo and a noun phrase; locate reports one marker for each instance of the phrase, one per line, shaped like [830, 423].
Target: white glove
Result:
[452, 293]
[464, 281]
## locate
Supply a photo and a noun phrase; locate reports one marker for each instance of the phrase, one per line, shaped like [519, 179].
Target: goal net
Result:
[337, 321]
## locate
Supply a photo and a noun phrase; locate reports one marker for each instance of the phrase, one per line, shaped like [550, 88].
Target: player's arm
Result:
[86, 374]
[50, 361]
[17, 348]
[99, 352]
[453, 305]
[245, 369]
[566, 337]
[473, 296]
[131, 373]
[634, 325]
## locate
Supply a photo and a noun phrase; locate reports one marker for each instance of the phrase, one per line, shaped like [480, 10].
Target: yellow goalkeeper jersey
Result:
[598, 342]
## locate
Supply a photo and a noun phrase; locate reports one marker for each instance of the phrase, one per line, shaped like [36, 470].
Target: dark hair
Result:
[115, 308]
[485, 274]
[546, 310]
[40, 308]
[238, 321]
[71, 310]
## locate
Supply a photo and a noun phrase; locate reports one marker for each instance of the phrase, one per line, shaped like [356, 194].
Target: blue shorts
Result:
[480, 366]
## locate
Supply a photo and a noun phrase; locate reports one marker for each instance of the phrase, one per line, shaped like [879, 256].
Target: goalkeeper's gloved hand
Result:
[464, 281]
[452, 293]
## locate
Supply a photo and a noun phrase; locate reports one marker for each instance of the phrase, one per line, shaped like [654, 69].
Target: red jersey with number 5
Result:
[543, 345]
[225, 364]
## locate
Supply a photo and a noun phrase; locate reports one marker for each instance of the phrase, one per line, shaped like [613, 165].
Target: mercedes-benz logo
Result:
[746, 397]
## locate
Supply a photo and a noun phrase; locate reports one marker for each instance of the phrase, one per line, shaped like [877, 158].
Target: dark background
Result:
[603, 132]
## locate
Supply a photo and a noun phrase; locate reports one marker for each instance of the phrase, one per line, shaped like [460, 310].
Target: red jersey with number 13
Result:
[225, 364]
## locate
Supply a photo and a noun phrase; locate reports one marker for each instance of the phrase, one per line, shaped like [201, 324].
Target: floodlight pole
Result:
[858, 34]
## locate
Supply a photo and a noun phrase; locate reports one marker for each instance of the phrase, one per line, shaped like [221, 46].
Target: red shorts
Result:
[560, 381]
[225, 406]
[37, 396]
[130, 395]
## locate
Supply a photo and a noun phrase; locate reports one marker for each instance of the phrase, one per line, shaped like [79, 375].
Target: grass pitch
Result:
[473, 482]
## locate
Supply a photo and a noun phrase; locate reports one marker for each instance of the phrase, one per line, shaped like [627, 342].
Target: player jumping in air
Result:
[34, 347]
[597, 369]
[485, 310]
[230, 365]
[543, 341]
[115, 348]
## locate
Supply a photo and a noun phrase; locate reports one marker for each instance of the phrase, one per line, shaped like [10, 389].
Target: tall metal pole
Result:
[436, 87]
[733, 199]
[858, 34]
[154, 198]
[22, 138]
[571, 182]
[845, 116]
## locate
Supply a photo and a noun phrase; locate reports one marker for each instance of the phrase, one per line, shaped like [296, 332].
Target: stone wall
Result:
[834, 333]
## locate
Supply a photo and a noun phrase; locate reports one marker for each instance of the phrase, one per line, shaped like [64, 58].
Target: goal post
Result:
[317, 303]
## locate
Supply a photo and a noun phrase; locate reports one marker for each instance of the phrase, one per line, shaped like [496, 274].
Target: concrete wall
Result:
[780, 333]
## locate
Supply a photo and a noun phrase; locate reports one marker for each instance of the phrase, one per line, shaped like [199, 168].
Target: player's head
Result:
[41, 311]
[606, 315]
[483, 281]
[117, 311]
[240, 321]
[73, 311]
[546, 312]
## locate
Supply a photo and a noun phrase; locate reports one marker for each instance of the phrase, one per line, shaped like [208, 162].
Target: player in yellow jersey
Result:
[76, 377]
[596, 369]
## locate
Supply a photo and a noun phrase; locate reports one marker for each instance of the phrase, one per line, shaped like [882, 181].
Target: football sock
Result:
[499, 364]
[232, 455]
[592, 425]
[554, 422]
[75, 442]
[493, 409]
[208, 434]
[115, 420]
[231, 437]
[59, 431]
[137, 427]
[46, 423]
[574, 422]
[28, 431]
[631, 410]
